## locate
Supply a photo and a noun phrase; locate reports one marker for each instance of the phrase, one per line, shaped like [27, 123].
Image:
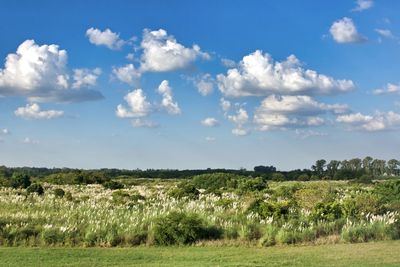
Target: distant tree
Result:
[367, 164]
[355, 164]
[20, 180]
[319, 167]
[35, 188]
[392, 166]
[264, 169]
[332, 167]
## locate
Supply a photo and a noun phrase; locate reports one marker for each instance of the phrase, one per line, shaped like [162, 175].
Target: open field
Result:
[365, 254]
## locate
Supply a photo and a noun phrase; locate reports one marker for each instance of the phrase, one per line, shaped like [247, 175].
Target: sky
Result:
[198, 84]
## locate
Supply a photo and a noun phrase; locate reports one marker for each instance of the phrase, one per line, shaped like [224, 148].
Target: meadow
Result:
[207, 210]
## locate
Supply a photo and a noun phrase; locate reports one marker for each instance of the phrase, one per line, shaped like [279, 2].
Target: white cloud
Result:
[130, 56]
[106, 38]
[28, 140]
[281, 112]
[390, 88]
[161, 52]
[40, 74]
[167, 101]
[344, 31]
[205, 85]
[229, 63]
[240, 131]
[127, 74]
[299, 105]
[210, 139]
[303, 134]
[138, 106]
[385, 33]
[143, 123]
[378, 122]
[259, 75]
[363, 5]
[33, 111]
[225, 104]
[85, 77]
[210, 122]
[4, 131]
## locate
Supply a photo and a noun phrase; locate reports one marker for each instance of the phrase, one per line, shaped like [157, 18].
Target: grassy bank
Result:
[365, 254]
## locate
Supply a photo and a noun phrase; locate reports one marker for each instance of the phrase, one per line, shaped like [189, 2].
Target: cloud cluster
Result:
[344, 31]
[205, 85]
[258, 74]
[161, 52]
[107, 38]
[139, 108]
[389, 89]
[277, 112]
[210, 122]
[240, 120]
[378, 122]
[40, 73]
[33, 111]
[167, 102]
[127, 74]
[363, 5]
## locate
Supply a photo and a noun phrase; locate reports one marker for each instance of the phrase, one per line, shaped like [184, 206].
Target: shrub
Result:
[269, 238]
[185, 189]
[58, 192]
[327, 212]
[35, 188]
[265, 209]
[254, 184]
[215, 181]
[178, 228]
[113, 185]
[20, 180]
[278, 177]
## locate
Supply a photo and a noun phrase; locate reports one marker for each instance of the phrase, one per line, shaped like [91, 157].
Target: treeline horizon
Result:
[321, 169]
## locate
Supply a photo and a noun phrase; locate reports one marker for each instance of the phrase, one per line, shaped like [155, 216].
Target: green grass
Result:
[365, 254]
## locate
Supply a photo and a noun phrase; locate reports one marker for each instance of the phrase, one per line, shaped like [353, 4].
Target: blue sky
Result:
[197, 84]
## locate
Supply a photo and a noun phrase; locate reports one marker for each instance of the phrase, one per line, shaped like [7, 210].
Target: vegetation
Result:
[366, 254]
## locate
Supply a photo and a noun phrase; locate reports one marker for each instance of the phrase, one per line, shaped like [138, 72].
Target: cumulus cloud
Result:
[281, 112]
[4, 131]
[161, 52]
[258, 75]
[389, 89]
[225, 104]
[363, 5]
[210, 122]
[40, 73]
[303, 134]
[127, 74]
[107, 38]
[240, 120]
[205, 85]
[138, 106]
[28, 140]
[344, 31]
[144, 123]
[229, 63]
[33, 111]
[378, 122]
[167, 102]
[85, 77]
[385, 33]
[210, 139]
[299, 105]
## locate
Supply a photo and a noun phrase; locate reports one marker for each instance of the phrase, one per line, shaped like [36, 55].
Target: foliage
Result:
[20, 180]
[178, 228]
[113, 185]
[35, 188]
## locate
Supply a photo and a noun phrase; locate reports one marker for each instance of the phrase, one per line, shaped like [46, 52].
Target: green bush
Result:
[35, 188]
[20, 180]
[216, 181]
[113, 185]
[58, 192]
[184, 189]
[178, 228]
[327, 212]
[253, 184]
[265, 209]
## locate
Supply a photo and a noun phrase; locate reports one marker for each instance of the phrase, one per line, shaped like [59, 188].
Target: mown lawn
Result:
[365, 254]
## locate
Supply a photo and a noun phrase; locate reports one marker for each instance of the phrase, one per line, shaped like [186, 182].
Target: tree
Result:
[332, 167]
[20, 180]
[355, 164]
[392, 167]
[367, 163]
[319, 167]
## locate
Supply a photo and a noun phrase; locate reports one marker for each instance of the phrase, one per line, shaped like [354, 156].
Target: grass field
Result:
[365, 254]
